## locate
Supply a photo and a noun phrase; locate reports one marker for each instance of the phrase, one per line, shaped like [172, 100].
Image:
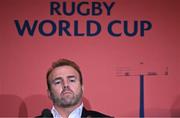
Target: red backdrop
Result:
[25, 60]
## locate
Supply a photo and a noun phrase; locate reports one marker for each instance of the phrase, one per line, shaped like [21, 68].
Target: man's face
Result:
[66, 89]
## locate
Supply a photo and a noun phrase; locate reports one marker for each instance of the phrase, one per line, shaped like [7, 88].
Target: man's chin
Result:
[67, 100]
[67, 97]
[67, 104]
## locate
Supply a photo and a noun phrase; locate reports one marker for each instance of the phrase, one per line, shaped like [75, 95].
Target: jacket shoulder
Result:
[91, 113]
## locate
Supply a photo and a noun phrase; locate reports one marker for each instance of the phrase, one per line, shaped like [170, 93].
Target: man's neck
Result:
[65, 112]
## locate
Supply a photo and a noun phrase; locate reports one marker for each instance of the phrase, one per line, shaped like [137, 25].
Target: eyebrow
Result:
[60, 78]
[71, 76]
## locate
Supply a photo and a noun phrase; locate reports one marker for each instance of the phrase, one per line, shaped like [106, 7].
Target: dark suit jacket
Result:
[90, 114]
[85, 114]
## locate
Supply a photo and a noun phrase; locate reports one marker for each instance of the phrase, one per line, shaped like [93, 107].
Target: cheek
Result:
[56, 89]
[76, 88]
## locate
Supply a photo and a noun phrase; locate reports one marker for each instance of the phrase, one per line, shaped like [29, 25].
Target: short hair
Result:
[63, 62]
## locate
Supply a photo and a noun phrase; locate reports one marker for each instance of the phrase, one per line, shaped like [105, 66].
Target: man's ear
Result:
[49, 93]
[82, 88]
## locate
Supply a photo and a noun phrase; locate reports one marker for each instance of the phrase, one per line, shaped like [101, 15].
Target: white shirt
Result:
[76, 113]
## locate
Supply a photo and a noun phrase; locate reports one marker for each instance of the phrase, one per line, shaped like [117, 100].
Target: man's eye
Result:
[57, 82]
[72, 79]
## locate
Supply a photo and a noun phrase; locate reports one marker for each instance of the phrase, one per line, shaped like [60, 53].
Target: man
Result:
[65, 89]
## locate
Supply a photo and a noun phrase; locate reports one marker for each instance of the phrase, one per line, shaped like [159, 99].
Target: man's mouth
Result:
[66, 92]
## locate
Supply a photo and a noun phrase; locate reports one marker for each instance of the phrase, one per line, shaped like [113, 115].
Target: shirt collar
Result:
[76, 113]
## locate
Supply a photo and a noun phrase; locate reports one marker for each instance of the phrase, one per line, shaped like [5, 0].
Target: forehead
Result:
[63, 71]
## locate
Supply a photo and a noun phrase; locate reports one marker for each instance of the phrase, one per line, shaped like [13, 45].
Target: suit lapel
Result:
[85, 113]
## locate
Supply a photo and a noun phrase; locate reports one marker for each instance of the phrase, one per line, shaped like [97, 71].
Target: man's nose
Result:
[65, 84]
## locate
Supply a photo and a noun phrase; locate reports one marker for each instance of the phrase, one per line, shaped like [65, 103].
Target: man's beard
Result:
[68, 100]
